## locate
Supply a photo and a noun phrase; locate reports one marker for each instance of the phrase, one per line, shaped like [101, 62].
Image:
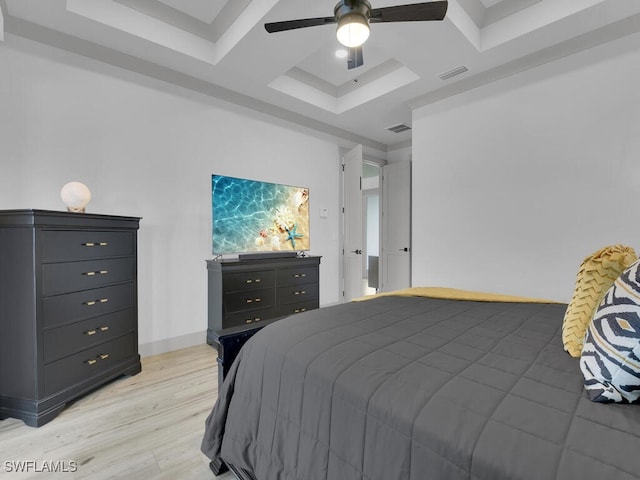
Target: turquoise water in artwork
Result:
[250, 216]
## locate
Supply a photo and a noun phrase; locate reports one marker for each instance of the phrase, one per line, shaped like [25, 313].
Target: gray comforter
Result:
[418, 388]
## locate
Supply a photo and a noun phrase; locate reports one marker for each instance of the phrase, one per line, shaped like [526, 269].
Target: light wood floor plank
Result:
[147, 426]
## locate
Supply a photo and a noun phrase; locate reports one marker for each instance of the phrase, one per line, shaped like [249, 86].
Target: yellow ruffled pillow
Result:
[596, 275]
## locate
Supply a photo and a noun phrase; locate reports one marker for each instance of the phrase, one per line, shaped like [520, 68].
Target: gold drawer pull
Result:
[298, 275]
[103, 328]
[257, 280]
[301, 292]
[103, 244]
[251, 300]
[91, 274]
[249, 281]
[298, 310]
[94, 244]
[251, 320]
[90, 303]
[91, 361]
[103, 356]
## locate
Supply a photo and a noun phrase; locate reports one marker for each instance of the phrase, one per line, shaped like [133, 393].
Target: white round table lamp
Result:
[75, 196]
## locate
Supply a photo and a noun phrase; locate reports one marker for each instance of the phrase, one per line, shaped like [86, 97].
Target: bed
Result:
[416, 387]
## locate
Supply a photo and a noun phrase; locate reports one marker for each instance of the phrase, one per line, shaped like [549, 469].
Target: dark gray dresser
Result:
[247, 292]
[68, 308]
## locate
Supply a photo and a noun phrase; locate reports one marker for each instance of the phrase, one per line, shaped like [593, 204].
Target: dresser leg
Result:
[46, 417]
[134, 370]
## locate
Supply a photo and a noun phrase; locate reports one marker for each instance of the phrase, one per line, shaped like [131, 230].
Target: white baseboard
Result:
[183, 341]
[171, 344]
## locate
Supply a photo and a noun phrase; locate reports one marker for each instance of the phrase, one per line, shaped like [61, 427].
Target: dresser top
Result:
[39, 218]
[266, 262]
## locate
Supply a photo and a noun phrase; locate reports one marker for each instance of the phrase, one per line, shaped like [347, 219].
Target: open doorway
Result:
[361, 211]
[376, 225]
[371, 227]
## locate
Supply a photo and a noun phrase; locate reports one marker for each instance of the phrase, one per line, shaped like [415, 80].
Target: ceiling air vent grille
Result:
[401, 127]
[453, 73]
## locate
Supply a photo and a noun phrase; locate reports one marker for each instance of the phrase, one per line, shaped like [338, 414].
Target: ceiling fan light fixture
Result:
[353, 29]
[353, 16]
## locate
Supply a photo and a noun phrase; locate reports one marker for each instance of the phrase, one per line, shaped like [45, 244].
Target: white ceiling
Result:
[220, 48]
[203, 11]
[489, 3]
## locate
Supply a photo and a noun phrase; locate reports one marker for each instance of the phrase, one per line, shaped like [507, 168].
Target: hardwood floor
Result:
[148, 426]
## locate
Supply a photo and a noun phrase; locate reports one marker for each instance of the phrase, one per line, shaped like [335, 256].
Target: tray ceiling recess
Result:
[414, 54]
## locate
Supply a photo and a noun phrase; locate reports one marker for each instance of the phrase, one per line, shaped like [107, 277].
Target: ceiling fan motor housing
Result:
[347, 8]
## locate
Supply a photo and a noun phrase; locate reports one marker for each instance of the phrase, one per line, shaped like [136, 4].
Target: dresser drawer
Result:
[298, 307]
[297, 276]
[63, 341]
[60, 278]
[238, 281]
[297, 293]
[84, 245]
[71, 307]
[249, 300]
[252, 316]
[88, 363]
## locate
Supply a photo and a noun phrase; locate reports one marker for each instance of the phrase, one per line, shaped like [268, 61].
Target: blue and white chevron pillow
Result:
[610, 360]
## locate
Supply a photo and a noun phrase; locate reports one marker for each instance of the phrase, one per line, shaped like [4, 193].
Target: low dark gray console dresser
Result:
[68, 308]
[246, 295]
[245, 292]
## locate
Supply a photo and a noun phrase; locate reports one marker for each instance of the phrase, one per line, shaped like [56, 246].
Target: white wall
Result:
[147, 149]
[399, 154]
[517, 181]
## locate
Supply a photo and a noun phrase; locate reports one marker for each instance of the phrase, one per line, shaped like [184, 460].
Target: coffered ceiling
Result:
[220, 48]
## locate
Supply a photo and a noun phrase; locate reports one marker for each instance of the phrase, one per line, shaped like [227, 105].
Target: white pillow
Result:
[610, 360]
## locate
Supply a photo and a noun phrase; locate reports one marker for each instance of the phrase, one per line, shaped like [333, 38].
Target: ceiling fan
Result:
[354, 16]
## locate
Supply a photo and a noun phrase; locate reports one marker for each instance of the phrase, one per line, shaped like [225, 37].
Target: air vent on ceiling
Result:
[401, 127]
[453, 73]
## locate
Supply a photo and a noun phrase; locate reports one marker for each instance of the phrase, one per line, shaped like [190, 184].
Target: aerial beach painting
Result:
[255, 216]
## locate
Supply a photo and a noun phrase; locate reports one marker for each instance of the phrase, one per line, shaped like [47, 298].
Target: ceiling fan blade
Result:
[301, 23]
[410, 13]
[355, 58]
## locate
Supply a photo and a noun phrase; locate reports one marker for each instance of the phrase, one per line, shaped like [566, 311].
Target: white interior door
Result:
[353, 283]
[396, 226]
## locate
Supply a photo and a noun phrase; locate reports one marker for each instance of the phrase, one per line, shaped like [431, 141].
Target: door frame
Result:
[365, 159]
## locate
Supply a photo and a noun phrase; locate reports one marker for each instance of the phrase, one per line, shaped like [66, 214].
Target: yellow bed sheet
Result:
[456, 294]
